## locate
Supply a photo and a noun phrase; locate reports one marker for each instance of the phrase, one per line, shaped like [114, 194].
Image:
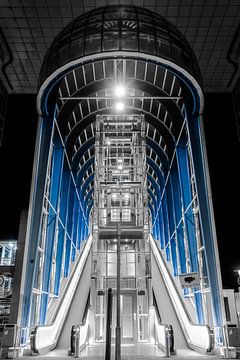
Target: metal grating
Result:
[30, 26]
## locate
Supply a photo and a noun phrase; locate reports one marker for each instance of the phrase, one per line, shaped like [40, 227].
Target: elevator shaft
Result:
[120, 226]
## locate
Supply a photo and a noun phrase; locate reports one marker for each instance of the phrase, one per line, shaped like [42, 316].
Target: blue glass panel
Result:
[40, 170]
[59, 257]
[198, 154]
[57, 162]
[178, 216]
[184, 176]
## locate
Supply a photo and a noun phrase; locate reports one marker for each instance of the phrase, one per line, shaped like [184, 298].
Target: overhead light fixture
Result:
[238, 272]
[120, 167]
[238, 279]
[119, 91]
[120, 106]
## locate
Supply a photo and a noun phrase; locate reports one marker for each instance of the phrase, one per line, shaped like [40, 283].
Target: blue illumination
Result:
[69, 205]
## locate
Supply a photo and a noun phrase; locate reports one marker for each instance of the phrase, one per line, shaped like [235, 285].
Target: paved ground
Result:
[128, 352]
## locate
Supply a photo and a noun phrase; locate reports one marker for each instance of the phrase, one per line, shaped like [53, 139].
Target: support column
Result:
[19, 273]
[118, 325]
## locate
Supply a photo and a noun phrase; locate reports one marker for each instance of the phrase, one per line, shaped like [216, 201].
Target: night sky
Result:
[16, 157]
[223, 150]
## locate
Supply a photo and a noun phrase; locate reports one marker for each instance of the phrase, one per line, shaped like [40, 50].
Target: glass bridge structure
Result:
[120, 157]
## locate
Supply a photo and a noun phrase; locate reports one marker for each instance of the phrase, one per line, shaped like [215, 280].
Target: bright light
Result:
[120, 106]
[237, 271]
[120, 167]
[119, 91]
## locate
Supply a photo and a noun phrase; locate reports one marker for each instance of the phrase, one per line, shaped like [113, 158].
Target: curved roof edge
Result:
[119, 28]
[182, 74]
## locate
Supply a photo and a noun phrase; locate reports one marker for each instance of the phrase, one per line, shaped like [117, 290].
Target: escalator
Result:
[165, 307]
[76, 315]
[69, 308]
[171, 307]
[169, 312]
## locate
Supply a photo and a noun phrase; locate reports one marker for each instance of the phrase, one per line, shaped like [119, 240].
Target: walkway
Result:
[129, 352]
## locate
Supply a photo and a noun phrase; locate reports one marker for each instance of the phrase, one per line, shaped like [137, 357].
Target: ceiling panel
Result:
[31, 25]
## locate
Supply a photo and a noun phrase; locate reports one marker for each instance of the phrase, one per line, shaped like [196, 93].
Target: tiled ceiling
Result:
[30, 26]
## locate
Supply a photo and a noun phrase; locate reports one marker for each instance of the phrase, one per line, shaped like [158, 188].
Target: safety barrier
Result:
[44, 338]
[198, 337]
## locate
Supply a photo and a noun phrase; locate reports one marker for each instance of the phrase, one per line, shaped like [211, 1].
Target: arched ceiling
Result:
[146, 55]
[151, 91]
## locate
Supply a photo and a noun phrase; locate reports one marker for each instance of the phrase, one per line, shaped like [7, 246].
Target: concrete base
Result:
[228, 352]
[11, 353]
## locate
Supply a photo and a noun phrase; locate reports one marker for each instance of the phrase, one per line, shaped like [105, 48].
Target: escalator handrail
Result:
[54, 307]
[81, 331]
[198, 337]
[165, 341]
[44, 338]
[86, 311]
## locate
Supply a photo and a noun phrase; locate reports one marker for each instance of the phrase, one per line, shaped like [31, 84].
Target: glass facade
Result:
[153, 62]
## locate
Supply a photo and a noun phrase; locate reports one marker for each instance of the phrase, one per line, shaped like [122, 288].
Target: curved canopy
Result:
[142, 52]
[137, 49]
[150, 89]
[119, 28]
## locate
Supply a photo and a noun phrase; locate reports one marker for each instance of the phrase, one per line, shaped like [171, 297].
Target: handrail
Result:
[164, 337]
[79, 336]
[44, 338]
[86, 311]
[157, 312]
[198, 337]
